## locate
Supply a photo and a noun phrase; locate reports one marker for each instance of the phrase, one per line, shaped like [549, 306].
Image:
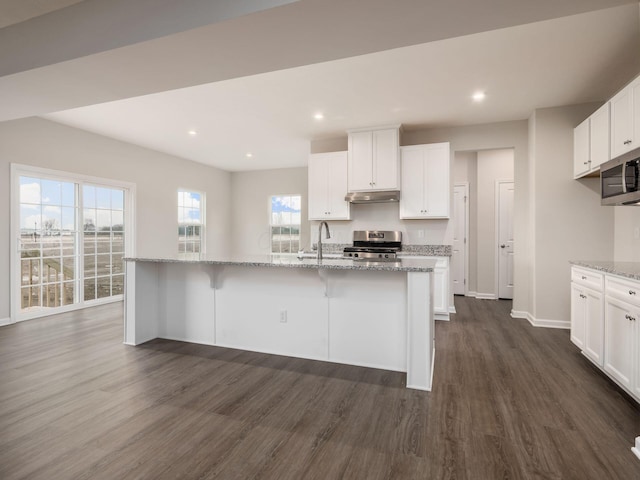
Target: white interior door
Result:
[459, 247]
[505, 239]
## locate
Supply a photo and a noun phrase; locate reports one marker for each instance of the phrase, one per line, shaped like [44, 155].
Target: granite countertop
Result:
[292, 261]
[624, 269]
[407, 250]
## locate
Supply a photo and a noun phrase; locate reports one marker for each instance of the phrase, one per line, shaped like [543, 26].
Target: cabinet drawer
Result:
[588, 278]
[625, 290]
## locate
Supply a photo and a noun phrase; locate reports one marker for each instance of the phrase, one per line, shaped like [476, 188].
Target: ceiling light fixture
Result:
[193, 133]
[479, 96]
[318, 116]
[249, 154]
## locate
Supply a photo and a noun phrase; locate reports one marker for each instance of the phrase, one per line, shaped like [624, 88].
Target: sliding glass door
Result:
[71, 242]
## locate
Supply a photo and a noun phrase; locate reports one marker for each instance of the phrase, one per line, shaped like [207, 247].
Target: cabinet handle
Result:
[630, 318]
[632, 292]
[628, 142]
[585, 163]
[584, 278]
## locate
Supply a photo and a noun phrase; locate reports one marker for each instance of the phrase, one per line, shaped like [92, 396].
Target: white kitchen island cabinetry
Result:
[328, 186]
[373, 160]
[619, 335]
[625, 119]
[337, 310]
[426, 189]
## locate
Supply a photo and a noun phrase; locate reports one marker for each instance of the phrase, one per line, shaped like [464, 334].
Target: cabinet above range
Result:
[373, 159]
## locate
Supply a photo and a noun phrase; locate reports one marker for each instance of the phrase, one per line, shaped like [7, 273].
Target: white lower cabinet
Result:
[605, 311]
[621, 343]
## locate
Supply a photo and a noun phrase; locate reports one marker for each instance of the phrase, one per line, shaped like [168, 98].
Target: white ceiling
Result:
[551, 63]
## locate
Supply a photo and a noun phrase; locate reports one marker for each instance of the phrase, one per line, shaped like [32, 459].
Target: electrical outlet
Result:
[420, 233]
[283, 316]
[636, 233]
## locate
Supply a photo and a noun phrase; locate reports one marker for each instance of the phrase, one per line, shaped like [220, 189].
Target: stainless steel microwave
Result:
[619, 180]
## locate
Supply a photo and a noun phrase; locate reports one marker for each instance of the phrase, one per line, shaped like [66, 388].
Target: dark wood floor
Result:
[509, 401]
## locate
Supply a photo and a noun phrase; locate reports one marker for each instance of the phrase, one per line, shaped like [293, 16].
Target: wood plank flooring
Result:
[509, 402]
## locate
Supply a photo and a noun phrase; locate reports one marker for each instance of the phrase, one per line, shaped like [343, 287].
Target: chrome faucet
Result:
[320, 237]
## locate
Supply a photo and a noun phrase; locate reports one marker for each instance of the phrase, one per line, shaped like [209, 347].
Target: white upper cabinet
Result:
[591, 143]
[373, 160]
[625, 119]
[328, 186]
[581, 151]
[426, 188]
[599, 137]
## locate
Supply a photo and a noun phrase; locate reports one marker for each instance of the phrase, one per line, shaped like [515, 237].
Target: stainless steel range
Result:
[374, 245]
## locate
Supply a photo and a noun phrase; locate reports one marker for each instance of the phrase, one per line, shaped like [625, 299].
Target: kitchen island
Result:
[372, 314]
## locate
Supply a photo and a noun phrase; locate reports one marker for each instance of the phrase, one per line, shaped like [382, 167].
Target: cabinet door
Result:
[318, 187]
[635, 101]
[440, 303]
[360, 161]
[599, 137]
[385, 159]
[581, 149]
[412, 189]
[578, 314]
[328, 186]
[338, 208]
[594, 327]
[437, 189]
[622, 122]
[620, 341]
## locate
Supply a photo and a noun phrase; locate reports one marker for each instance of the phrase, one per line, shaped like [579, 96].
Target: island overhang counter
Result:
[371, 314]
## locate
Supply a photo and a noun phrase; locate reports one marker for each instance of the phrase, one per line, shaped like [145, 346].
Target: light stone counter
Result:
[623, 269]
[290, 261]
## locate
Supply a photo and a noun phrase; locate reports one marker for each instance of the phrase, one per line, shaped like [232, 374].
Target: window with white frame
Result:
[285, 218]
[70, 234]
[190, 222]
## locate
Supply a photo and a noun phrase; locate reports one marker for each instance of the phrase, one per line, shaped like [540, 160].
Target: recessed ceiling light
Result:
[318, 116]
[249, 154]
[479, 96]
[193, 133]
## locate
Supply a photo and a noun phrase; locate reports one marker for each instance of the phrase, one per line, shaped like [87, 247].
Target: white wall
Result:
[157, 176]
[250, 201]
[568, 221]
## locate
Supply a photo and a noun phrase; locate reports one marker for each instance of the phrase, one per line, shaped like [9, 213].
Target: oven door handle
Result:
[624, 177]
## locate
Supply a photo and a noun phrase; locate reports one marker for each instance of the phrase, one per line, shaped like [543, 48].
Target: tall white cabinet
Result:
[426, 188]
[328, 187]
[373, 159]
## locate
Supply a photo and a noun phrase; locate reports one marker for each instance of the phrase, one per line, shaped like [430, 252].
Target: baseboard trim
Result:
[541, 322]
[452, 309]
[5, 321]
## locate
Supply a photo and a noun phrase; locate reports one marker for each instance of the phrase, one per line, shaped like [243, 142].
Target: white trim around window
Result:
[18, 170]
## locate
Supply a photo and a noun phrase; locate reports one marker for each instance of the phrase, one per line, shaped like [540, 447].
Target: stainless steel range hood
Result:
[385, 196]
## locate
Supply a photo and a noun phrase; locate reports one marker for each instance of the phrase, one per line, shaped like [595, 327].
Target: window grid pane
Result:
[285, 218]
[190, 222]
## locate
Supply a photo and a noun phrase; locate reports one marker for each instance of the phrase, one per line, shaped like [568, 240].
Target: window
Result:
[285, 223]
[190, 222]
[103, 241]
[70, 241]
